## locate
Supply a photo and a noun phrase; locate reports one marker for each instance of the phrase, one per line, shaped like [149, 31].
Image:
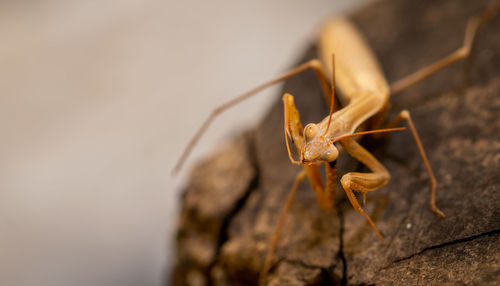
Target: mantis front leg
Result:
[325, 196]
[293, 129]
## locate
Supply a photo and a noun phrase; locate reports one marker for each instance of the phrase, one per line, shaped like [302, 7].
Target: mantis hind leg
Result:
[461, 53]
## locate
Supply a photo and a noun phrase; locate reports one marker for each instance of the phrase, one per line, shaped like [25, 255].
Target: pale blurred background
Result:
[98, 99]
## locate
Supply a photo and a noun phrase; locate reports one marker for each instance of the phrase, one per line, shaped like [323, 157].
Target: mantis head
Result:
[318, 147]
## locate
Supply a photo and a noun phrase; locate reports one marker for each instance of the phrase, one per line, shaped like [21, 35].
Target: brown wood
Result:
[234, 198]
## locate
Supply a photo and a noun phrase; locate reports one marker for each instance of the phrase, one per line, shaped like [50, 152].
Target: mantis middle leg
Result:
[461, 53]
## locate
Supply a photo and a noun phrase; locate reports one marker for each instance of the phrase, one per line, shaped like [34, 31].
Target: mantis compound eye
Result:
[311, 130]
[331, 154]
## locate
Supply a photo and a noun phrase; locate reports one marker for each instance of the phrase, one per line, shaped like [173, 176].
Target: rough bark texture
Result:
[233, 199]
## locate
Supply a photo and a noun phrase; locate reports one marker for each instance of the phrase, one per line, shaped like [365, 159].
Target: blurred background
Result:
[98, 99]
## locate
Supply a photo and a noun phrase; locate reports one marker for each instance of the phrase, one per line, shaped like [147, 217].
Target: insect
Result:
[347, 62]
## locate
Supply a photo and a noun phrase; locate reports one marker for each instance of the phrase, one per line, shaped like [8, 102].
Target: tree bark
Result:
[234, 198]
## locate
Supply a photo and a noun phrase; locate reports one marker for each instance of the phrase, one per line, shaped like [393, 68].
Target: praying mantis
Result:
[347, 62]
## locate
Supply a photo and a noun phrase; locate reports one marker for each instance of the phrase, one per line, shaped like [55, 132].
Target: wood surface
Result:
[234, 197]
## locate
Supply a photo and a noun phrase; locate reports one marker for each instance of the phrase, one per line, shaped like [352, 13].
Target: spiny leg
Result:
[314, 64]
[405, 115]
[277, 229]
[463, 52]
[293, 129]
[363, 182]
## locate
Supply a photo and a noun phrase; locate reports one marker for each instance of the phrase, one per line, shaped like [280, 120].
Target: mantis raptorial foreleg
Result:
[324, 196]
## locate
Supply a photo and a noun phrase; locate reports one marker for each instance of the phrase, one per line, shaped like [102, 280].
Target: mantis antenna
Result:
[368, 132]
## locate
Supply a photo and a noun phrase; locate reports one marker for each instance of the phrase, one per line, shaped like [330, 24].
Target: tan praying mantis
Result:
[347, 60]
